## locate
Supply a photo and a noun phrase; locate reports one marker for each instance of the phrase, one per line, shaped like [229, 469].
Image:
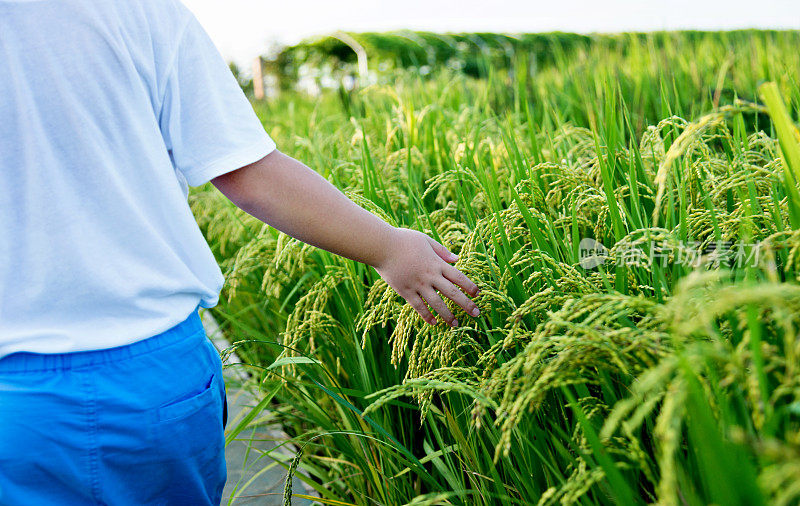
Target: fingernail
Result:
[454, 322]
[476, 312]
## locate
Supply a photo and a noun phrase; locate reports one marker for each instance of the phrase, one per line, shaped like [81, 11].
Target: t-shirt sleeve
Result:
[208, 125]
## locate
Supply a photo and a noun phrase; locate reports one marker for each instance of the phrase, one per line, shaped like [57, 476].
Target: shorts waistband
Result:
[191, 327]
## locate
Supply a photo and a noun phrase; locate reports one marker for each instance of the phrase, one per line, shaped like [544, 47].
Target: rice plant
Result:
[664, 371]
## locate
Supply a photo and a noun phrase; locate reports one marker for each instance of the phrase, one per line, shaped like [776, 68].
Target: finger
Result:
[419, 305]
[439, 306]
[444, 253]
[452, 292]
[459, 278]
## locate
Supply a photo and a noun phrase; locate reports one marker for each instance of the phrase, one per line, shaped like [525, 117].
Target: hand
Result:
[416, 266]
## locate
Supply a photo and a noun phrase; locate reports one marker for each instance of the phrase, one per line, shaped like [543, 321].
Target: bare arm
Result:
[294, 199]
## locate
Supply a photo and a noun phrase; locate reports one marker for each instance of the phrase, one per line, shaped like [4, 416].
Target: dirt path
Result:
[254, 478]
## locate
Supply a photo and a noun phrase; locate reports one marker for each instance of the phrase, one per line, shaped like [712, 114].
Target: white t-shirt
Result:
[107, 109]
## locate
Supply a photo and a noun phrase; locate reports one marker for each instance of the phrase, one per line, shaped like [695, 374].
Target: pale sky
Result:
[243, 29]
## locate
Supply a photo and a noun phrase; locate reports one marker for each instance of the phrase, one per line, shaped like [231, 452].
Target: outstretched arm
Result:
[294, 199]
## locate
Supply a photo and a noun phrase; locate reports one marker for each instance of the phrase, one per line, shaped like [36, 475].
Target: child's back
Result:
[99, 247]
[109, 391]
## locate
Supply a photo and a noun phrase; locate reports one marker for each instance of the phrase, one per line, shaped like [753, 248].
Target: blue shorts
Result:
[133, 425]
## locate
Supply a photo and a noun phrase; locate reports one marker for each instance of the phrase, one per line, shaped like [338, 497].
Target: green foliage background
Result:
[637, 382]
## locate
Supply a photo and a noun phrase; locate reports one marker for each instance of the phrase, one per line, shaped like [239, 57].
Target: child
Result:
[110, 392]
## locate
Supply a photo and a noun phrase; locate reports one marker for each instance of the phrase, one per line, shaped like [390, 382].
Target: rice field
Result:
[630, 211]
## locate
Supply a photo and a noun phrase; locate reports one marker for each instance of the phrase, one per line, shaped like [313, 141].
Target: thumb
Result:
[444, 253]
